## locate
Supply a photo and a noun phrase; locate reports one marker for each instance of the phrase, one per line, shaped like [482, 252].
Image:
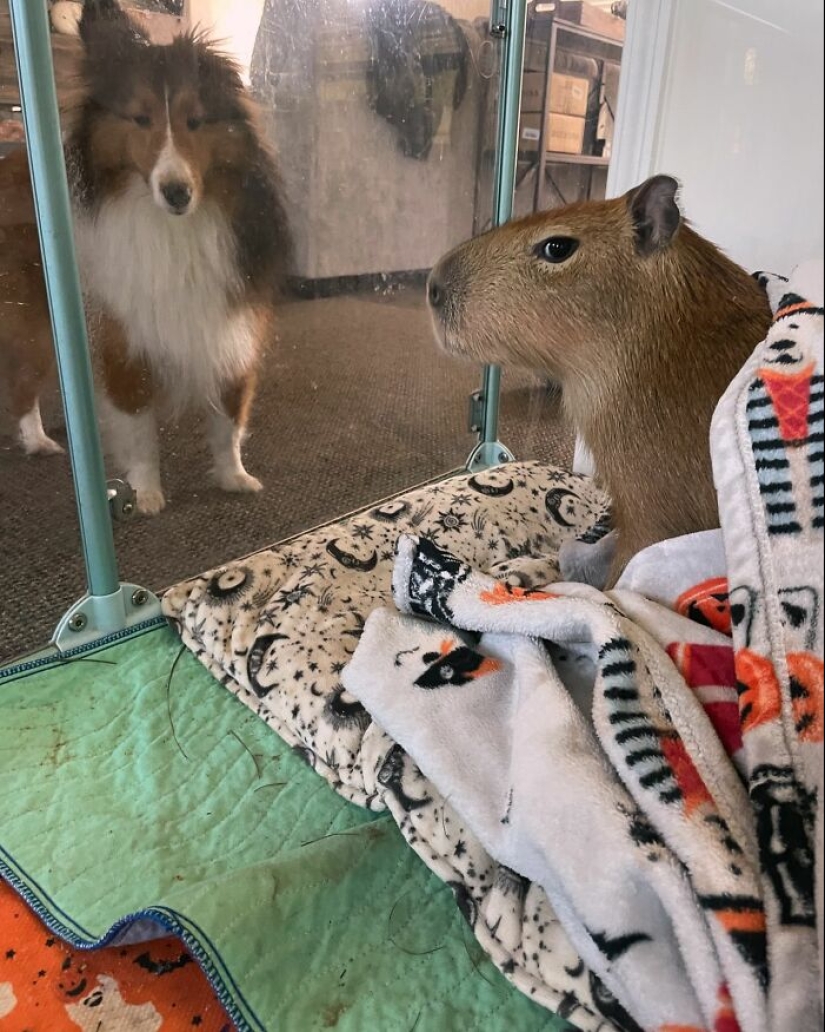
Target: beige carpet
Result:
[355, 404]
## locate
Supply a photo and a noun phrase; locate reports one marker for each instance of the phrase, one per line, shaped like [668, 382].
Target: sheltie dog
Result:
[181, 238]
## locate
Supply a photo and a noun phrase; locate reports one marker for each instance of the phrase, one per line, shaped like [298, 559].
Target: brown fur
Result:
[117, 126]
[26, 352]
[643, 333]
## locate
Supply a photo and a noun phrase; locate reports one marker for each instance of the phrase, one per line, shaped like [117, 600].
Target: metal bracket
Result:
[498, 18]
[487, 454]
[121, 497]
[475, 417]
[95, 616]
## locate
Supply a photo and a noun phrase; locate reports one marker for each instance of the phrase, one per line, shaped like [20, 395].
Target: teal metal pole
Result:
[509, 108]
[509, 19]
[30, 27]
[505, 179]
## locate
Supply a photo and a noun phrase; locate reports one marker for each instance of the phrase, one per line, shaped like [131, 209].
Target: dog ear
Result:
[104, 24]
[654, 213]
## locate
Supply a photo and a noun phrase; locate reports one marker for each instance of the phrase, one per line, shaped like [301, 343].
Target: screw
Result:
[78, 621]
[140, 597]
[127, 508]
[503, 456]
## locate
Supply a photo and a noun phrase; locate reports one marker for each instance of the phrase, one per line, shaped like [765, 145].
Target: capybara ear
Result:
[655, 213]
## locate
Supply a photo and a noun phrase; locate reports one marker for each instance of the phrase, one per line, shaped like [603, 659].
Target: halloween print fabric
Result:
[623, 790]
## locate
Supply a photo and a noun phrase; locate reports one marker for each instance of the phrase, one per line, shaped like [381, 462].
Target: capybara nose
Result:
[177, 195]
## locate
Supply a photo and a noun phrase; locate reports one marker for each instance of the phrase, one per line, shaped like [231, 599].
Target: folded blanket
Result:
[593, 743]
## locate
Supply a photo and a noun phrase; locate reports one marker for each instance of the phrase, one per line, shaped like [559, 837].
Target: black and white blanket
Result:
[624, 790]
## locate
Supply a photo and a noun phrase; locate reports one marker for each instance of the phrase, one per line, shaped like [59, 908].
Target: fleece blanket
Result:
[621, 790]
[661, 782]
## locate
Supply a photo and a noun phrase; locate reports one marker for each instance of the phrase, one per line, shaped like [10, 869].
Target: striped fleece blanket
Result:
[650, 759]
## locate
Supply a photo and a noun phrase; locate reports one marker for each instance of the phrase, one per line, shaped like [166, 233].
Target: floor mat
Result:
[132, 786]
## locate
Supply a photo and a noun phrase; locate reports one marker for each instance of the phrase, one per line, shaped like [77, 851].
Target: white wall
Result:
[734, 109]
[233, 22]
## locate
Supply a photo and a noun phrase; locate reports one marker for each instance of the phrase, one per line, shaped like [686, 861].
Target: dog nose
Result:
[177, 196]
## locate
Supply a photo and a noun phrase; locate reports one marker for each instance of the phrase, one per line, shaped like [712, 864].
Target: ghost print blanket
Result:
[623, 791]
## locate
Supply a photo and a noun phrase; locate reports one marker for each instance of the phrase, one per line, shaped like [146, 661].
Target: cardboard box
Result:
[565, 134]
[529, 132]
[607, 109]
[535, 55]
[593, 18]
[568, 95]
[532, 91]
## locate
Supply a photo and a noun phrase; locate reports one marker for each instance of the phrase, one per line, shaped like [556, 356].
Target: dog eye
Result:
[557, 249]
[144, 121]
[194, 123]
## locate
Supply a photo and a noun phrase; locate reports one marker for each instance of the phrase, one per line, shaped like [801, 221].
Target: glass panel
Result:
[41, 569]
[570, 87]
[382, 117]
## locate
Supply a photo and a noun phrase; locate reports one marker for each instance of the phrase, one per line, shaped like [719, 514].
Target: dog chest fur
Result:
[172, 283]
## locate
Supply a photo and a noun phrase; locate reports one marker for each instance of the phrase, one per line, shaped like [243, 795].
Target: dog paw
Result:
[149, 501]
[42, 446]
[237, 481]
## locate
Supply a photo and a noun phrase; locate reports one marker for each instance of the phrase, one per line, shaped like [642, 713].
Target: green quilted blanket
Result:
[133, 785]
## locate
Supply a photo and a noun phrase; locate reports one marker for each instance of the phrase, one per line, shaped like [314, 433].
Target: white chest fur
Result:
[168, 280]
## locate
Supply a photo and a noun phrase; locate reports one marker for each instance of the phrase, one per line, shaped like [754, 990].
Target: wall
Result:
[736, 115]
[233, 21]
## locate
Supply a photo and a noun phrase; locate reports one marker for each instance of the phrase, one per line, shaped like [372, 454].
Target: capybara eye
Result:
[194, 123]
[144, 121]
[557, 249]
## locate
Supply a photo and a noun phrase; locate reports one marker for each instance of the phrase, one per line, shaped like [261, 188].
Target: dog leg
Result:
[27, 381]
[128, 418]
[33, 437]
[226, 429]
[132, 442]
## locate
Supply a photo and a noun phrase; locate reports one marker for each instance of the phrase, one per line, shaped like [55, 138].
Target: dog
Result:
[181, 236]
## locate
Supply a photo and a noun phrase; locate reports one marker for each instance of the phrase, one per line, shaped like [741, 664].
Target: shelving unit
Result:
[581, 41]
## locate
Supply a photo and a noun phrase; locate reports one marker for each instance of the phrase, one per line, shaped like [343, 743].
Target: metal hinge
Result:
[498, 18]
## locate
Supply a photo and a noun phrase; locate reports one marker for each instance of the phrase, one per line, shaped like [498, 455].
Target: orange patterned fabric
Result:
[47, 985]
[806, 670]
[760, 696]
[791, 397]
[707, 603]
[503, 593]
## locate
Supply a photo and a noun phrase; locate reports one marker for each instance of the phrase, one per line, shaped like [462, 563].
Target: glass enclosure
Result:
[382, 116]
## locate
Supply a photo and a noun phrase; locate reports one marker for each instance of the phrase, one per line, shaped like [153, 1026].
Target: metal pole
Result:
[30, 27]
[509, 20]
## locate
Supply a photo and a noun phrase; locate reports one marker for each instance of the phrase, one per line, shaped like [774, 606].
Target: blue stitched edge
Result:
[29, 666]
[177, 924]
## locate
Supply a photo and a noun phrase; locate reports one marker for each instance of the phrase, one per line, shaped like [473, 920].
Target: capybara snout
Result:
[532, 292]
